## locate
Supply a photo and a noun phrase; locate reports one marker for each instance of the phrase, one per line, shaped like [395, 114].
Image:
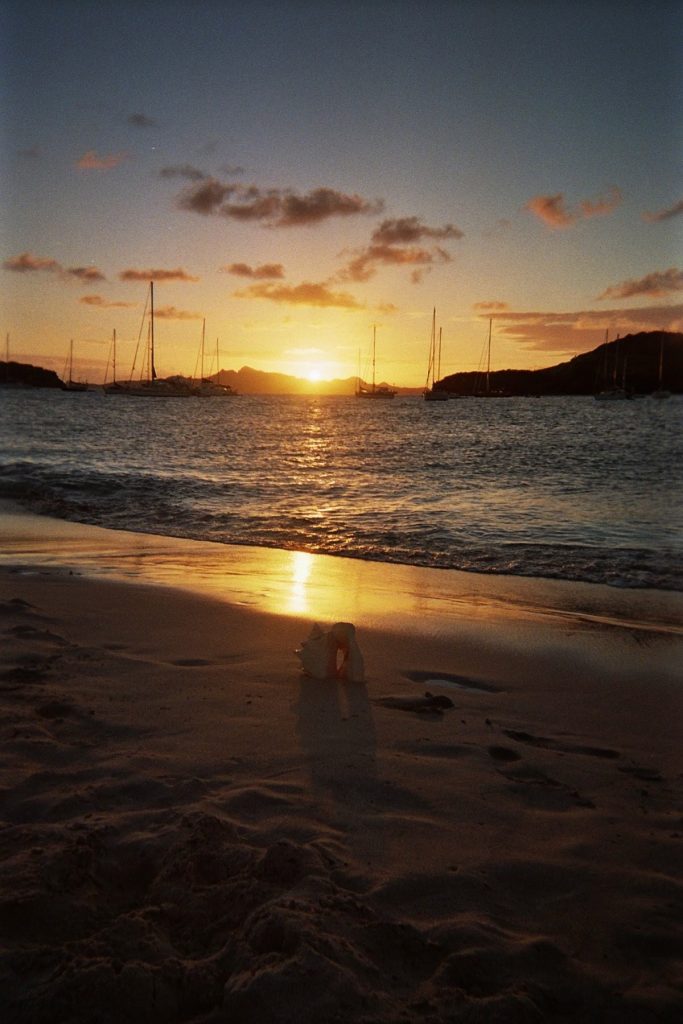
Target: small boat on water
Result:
[660, 392]
[376, 390]
[69, 383]
[432, 393]
[613, 391]
[205, 387]
[149, 385]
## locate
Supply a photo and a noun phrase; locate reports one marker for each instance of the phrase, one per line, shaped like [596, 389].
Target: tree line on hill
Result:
[632, 363]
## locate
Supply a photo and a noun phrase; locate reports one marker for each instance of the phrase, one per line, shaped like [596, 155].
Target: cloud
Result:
[275, 208]
[266, 270]
[405, 230]
[569, 333]
[98, 300]
[183, 171]
[491, 307]
[392, 244]
[232, 169]
[654, 285]
[141, 121]
[26, 262]
[156, 275]
[171, 313]
[666, 214]
[305, 294]
[602, 205]
[86, 273]
[552, 209]
[31, 152]
[90, 161]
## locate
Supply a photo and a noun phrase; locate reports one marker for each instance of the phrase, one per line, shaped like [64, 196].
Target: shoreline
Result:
[193, 830]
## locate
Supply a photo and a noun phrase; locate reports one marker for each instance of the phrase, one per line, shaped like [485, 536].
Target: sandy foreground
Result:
[192, 830]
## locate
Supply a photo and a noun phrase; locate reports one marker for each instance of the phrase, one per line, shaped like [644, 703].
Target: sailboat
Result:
[613, 393]
[487, 392]
[70, 384]
[377, 390]
[660, 392]
[432, 394]
[206, 388]
[151, 386]
[114, 385]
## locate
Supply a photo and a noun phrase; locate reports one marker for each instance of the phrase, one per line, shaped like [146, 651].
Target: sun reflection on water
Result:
[297, 601]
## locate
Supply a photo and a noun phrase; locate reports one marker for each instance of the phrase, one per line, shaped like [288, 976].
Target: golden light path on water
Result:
[391, 597]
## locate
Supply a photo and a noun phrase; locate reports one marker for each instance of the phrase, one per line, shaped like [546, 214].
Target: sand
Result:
[191, 830]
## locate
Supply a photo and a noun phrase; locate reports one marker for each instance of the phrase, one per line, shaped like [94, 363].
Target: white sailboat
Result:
[431, 393]
[376, 390]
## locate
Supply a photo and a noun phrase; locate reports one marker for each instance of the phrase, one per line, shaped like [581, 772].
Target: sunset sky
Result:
[296, 171]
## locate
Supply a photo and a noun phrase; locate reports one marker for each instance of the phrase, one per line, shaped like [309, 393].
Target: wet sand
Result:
[192, 830]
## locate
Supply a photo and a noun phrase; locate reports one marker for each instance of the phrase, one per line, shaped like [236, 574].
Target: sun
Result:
[314, 374]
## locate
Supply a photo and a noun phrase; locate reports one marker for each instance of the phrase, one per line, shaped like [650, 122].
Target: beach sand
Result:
[192, 830]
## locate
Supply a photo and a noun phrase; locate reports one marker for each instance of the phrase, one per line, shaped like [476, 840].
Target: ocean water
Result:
[565, 488]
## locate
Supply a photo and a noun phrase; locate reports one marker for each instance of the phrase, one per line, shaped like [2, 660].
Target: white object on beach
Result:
[333, 654]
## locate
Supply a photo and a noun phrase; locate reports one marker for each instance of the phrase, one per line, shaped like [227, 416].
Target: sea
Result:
[563, 487]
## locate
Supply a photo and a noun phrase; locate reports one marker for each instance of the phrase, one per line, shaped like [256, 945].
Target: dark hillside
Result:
[633, 362]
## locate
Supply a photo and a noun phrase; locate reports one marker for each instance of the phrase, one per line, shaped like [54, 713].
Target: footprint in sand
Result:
[548, 744]
[43, 635]
[430, 704]
[437, 678]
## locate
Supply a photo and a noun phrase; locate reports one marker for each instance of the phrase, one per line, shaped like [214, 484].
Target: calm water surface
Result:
[558, 487]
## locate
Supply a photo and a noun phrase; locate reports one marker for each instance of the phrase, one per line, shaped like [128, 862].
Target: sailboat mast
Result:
[438, 375]
[218, 368]
[374, 339]
[488, 358]
[71, 359]
[201, 358]
[113, 356]
[153, 372]
[7, 347]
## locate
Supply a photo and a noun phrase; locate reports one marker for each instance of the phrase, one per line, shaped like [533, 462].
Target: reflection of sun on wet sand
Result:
[192, 830]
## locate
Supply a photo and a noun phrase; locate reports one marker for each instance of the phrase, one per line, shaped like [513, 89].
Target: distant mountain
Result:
[631, 362]
[25, 375]
[257, 382]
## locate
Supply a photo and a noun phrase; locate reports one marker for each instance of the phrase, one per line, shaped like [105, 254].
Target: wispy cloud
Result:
[263, 272]
[31, 152]
[26, 262]
[86, 273]
[171, 313]
[183, 171]
[90, 161]
[490, 307]
[305, 294]
[99, 300]
[553, 211]
[571, 332]
[654, 285]
[142, 121]
[666, 214]
[156, 274]
[407, 230]
[393, 244]
[274, 208]
[601, 206]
